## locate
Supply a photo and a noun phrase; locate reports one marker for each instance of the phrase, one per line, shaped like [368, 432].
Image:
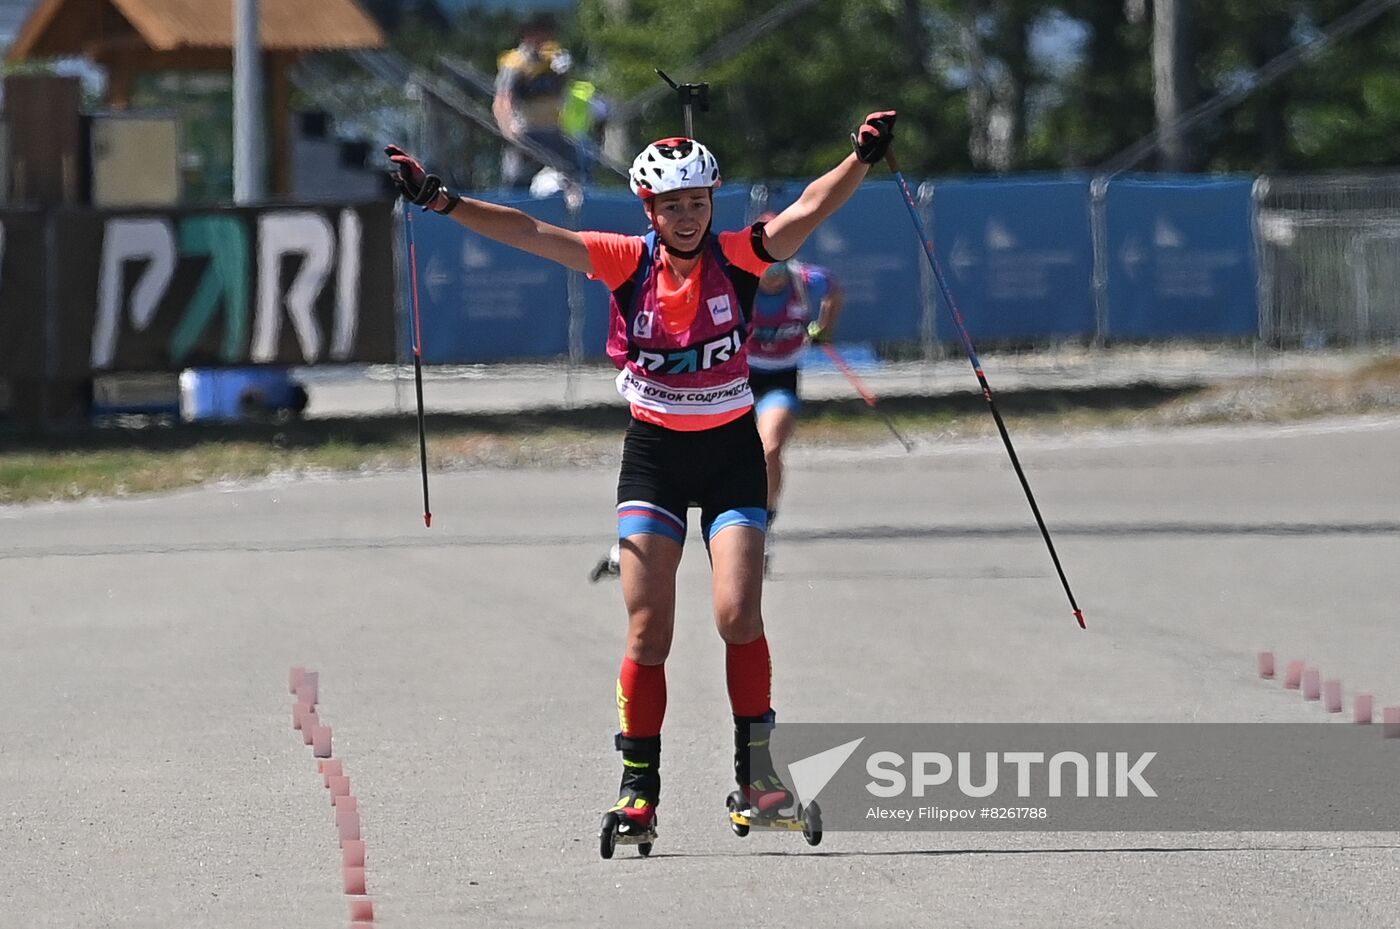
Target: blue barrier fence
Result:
[1018, 256]
[1177, 260]
[871, 247]
[1181, 258]
[483, 301]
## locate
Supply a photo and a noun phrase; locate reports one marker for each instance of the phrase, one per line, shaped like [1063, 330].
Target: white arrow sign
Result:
[811, 774]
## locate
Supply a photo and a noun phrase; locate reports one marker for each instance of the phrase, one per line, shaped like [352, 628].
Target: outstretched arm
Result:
[521, 230]
[784, 234]
[822, 328]
[504, 224]
[831, 307]
[502, 109]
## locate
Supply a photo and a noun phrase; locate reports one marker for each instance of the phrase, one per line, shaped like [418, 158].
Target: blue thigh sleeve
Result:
[637, 517]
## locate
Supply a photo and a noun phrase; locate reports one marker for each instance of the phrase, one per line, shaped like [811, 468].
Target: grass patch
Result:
[72, 474]
[136, 456]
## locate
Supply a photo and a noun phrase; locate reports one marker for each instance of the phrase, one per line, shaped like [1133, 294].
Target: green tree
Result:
[1343, 110]
[785, 105]
[1339, 110]
[1104, 103]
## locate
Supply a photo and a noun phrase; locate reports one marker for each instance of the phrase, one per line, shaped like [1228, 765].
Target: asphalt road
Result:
[149, 776]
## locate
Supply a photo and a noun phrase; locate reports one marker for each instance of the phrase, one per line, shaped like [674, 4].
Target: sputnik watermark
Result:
[1116, 774]
[1092, 777]
[944, 814]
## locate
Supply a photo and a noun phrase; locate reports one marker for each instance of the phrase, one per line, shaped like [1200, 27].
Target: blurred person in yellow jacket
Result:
[531, 84]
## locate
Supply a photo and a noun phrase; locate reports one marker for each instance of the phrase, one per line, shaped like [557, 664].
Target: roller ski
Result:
[608, 566]
[763, 801]
[632, 819]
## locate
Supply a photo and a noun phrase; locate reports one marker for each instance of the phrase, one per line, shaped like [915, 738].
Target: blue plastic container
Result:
[238, 393]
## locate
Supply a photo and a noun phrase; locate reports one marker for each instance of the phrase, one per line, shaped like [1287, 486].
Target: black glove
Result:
[873, 137]
[418, 186]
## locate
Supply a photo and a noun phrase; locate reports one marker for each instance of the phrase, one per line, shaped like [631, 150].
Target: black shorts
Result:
[774, 389]
[764, 381]
[665, 472]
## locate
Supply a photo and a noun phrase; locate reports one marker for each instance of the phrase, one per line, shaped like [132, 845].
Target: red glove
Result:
[418, 186]
[873, 137]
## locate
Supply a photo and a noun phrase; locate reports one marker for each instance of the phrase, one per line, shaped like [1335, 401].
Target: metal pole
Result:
[575, 299]
[977, 370]
[928, 293]
[1263, 257]
[249, 145]
[690, 95]
[1098, 228]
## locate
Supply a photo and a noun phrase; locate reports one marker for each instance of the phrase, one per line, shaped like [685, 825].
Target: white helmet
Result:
[673, 164]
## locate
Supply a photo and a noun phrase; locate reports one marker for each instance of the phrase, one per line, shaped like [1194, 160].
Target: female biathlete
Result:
[682, 303]
[782, 327]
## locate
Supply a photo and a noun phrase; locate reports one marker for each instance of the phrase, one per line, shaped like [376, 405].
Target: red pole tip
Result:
[428, 520]
[1079, 615]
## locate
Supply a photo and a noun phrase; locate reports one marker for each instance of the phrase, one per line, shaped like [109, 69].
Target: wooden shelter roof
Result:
[61, 28]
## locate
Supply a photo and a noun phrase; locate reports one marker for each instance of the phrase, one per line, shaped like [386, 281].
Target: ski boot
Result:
[632, 819]
[608, 566]
[763, 801]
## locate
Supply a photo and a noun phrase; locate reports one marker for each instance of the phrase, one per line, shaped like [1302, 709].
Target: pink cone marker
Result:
[331, 767]
[1266, 665]
[352, 854]
[321, 742]
[1332, 696]
[354, 881]
[348, 825]
[1390, 720]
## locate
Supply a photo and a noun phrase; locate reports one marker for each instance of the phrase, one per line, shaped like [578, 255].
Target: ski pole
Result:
[417, 358]
[981, 377]
[690, 96]
[866, 393]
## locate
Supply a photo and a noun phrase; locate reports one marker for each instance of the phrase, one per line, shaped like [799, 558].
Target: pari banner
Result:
[1249, 777]
[22, 294]
[171, 289]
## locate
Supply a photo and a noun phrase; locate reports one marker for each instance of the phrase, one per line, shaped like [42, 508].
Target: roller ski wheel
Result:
[607, 836]
[737, 821]
[617, 829]
[804, 819]
[608, 566]
[811, 816]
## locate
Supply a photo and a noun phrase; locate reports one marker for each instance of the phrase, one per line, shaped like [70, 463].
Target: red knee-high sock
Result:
[749, 670]
[641, 698]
